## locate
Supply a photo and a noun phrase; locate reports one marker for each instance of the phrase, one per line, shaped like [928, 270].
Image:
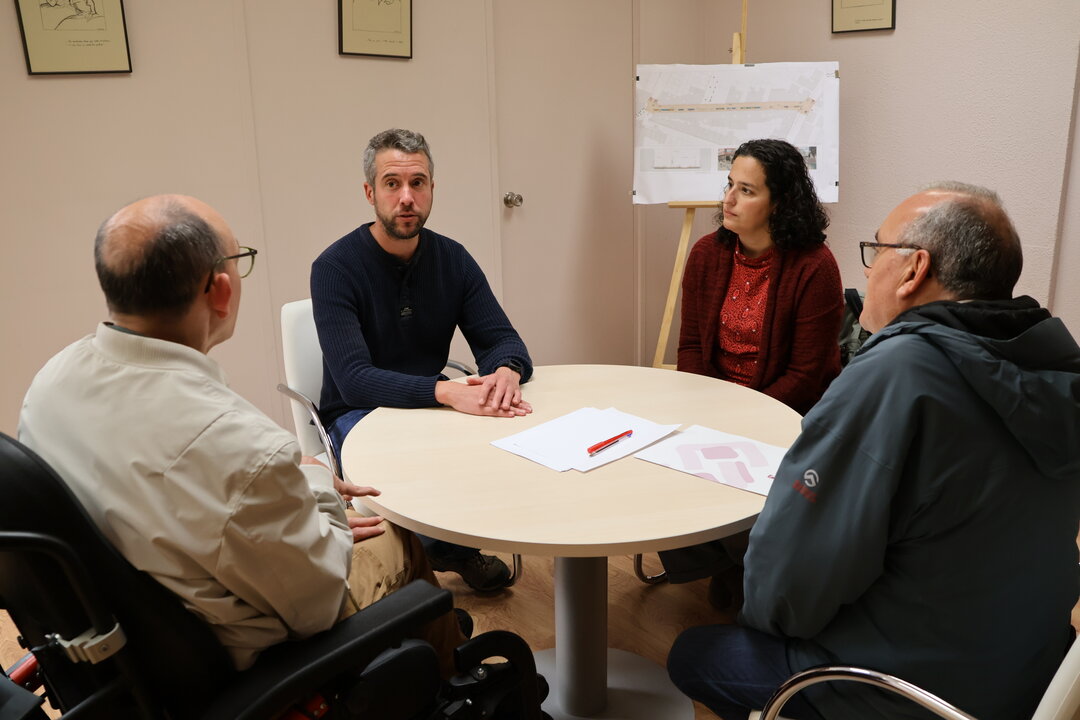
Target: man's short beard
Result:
[388, 226]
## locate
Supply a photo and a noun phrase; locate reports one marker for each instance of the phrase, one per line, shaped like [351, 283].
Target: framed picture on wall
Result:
[375, 27]
[855, 15]
[74, 36]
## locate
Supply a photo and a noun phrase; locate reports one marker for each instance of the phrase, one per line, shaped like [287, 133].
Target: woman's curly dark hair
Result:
[798, 221]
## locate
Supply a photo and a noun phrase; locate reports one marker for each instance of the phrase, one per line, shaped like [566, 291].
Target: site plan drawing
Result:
[718, 456]
[689, 119]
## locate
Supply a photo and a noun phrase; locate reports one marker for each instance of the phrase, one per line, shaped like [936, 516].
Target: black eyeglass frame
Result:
[899, 246]
[248, 252]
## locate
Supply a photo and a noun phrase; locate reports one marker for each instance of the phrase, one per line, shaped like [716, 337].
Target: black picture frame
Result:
[861, 15]
[380, 28]
[74, 37]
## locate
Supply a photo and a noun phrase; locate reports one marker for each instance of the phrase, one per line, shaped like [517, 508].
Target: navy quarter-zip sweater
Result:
[385, 325]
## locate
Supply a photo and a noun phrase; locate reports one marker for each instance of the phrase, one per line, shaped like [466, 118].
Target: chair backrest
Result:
[303, 367]
[852, 334]
[59, 574]
[1061, 701]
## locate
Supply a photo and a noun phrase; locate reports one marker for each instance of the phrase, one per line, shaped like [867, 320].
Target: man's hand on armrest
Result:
[497, 394]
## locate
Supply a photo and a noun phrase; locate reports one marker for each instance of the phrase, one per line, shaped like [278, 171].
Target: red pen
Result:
[605, 444]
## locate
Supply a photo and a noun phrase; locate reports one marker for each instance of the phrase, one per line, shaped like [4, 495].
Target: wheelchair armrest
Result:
[291, 671]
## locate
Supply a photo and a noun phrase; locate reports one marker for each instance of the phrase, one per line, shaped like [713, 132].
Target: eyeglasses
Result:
[869, 250]
[245, 263]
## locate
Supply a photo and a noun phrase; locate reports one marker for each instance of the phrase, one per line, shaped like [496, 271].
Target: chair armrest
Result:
[461, 367]
[308, 405]
[826, 673]
[291, 671]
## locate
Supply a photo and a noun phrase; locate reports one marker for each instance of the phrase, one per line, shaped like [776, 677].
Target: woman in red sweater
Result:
[762, 299]
[761, 306]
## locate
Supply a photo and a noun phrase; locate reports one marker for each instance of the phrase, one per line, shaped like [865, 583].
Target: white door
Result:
[563, 74]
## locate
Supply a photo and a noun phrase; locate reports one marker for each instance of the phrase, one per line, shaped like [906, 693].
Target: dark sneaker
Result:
[483, 573]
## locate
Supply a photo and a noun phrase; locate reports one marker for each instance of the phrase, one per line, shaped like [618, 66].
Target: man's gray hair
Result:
[406, 141]
[974, 249]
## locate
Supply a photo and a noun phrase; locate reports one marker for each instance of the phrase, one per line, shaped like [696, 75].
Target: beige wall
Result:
[972, 90]
[975, 90]
[246, 104]
[1065, 293]
[76, 148]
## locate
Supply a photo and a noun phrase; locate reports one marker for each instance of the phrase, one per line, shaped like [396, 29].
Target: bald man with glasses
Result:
[924, 522]
[191, 483]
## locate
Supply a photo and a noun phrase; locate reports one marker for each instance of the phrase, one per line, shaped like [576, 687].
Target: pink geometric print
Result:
[729, 460]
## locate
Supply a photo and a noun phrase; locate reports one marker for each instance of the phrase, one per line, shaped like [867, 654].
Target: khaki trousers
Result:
[388, 562]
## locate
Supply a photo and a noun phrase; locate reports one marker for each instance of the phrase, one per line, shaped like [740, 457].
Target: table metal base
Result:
[636, 688]
[589, 680]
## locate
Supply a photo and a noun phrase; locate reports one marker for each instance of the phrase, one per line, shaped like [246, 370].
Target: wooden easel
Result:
[738, 57]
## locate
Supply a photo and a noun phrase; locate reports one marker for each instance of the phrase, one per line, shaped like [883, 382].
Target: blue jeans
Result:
[438, 550]
[341, 425]
[733, 670]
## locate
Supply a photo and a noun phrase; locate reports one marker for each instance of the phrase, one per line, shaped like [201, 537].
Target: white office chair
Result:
[1061, 701]
[303, 372]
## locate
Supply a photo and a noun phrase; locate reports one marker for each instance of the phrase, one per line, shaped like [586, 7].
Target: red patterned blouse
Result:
[742, 315]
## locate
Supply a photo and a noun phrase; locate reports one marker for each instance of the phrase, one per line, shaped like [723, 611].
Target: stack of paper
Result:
[563, 443]
[719, 456]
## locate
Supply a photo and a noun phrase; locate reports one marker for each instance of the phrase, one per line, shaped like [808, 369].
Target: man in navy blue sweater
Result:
[387, 298]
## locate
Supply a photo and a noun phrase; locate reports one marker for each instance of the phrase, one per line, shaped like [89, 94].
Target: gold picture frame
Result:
[857, 15]
[375, 27]
[74, 36]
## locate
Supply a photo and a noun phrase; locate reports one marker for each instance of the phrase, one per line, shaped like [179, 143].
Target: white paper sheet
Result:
[719, 456]
[562, 444]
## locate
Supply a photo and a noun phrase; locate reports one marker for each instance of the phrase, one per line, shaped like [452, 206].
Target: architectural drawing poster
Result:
[689, 119]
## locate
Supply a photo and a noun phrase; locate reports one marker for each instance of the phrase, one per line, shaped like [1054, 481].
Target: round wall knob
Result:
[512, 200]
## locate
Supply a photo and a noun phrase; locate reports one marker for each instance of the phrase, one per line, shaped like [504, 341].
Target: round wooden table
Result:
[440, 476]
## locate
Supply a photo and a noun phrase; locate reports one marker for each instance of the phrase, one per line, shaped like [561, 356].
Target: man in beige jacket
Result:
[192, 483]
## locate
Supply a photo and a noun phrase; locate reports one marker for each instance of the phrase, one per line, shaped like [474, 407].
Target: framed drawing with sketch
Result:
[74, 36]
[855, 15]
[375, 27]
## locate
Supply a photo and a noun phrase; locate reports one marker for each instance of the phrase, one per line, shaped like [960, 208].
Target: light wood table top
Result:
[440, 476]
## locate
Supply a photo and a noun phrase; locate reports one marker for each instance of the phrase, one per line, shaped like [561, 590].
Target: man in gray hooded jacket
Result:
[924, 523]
